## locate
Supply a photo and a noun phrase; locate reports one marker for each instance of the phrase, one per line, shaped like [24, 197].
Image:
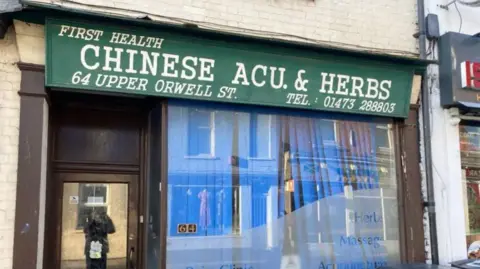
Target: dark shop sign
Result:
[100, 57]
[459, 70]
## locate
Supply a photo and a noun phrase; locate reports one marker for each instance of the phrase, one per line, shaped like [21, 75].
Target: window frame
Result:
[81, 205]
[397, 145]
[210, 155]
[388, 129]
[270, 135]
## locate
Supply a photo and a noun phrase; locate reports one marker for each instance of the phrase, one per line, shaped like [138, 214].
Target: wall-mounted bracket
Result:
[447, 5]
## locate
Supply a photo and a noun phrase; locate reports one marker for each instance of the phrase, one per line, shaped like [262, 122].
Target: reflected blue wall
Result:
[219, 155]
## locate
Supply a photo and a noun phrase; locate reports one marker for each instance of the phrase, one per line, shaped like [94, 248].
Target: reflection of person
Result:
[96, 232]
[474, 250]
[204, 209]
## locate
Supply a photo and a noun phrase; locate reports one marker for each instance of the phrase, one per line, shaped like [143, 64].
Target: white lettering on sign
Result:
[80, 33]
[340, 84]
[83, 60]
[134, 40]
[117, 61]
[241, 76]
[470, 73]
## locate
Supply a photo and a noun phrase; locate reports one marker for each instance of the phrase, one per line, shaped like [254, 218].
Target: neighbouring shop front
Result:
[460, 87]
[212, 151]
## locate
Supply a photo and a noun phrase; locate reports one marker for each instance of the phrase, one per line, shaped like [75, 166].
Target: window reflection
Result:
[93, 198]
[281, 189]
[201, 133]
[470, 158]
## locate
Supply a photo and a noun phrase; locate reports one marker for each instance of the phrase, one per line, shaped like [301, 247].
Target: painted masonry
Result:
[346, 24]
[447, 151]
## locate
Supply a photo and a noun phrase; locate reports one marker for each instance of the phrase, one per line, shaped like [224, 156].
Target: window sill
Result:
[95, 204]
[260, 159]
[183, 237]
[201, 157]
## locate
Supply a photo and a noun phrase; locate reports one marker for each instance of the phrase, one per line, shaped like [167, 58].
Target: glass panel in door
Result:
[94, 225]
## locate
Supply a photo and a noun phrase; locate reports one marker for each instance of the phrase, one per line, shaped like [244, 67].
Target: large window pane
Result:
[279, 189]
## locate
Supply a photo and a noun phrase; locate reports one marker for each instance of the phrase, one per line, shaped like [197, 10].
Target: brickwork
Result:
[362, 24]
[30, 42]
[9, 115]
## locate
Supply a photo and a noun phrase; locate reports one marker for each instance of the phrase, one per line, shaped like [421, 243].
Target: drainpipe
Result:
[430, 203]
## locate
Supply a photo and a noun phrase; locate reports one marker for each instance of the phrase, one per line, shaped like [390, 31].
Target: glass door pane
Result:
[94, 225]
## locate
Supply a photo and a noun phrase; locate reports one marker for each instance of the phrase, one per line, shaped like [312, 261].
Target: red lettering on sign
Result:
[470, 75]
[472, 172]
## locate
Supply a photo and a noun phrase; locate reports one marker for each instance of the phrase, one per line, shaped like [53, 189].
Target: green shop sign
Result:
[101, 57]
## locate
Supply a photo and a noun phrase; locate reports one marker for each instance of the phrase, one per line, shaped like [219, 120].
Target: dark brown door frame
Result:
[93, 105]
[29, 223]
[410, 199]
[409, 191]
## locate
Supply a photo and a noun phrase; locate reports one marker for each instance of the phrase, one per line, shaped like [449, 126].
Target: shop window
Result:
[319, 192]
[260, 136]
[92, 197]
[470, 160]
[201, 133]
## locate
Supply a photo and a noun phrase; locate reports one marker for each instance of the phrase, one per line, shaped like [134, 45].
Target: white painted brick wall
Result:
[9, 120]
[371, 24]
[447, 177]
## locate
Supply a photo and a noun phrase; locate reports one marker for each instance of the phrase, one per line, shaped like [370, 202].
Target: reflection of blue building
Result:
[253, 181]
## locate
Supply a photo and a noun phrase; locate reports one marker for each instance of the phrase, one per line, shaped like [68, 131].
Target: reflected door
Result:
[99, 221]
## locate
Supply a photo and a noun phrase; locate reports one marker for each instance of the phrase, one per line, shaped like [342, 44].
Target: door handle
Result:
[131, 264]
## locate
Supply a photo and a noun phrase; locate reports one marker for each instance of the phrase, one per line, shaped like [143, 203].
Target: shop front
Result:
[460, 85]
[197, 150]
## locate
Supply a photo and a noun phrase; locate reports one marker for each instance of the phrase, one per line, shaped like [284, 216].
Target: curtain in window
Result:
[277, 189]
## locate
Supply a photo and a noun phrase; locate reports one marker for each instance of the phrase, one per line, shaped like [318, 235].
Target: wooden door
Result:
[96, 182]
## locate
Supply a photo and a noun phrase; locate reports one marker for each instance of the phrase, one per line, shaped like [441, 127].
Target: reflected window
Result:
[382, 136]
[92, 197]
[201, 133]
[260, 136]
[282, 184]
[328, 131]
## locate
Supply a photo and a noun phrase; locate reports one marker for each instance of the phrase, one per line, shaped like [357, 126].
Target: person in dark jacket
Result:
[96, 230]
